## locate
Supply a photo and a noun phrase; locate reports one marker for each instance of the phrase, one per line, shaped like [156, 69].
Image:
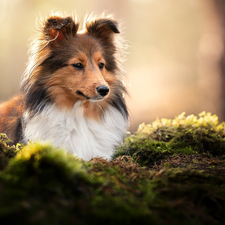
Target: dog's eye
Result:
[78, 66]
[101, 66]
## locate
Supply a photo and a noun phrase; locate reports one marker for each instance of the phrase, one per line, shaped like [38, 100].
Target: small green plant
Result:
[7, 151]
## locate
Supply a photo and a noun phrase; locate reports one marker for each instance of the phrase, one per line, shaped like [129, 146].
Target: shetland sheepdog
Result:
[72, 92]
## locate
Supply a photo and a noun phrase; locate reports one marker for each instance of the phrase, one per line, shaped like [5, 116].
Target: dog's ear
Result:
[57, 28]
[102, 28]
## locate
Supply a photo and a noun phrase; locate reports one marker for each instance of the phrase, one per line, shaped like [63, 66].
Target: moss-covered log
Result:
[168, 172]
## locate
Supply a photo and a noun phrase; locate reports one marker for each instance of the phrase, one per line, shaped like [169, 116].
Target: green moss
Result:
[186, 135]
[191, 195]
[43, 185]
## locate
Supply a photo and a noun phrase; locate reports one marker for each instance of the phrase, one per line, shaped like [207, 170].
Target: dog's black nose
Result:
[103, 90]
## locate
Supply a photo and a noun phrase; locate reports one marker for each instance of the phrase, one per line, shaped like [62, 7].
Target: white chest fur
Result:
[79, 135]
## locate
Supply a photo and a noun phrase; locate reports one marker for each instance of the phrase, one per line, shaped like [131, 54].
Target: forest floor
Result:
[168, 172]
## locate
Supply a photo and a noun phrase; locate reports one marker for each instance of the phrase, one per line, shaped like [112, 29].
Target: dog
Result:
[72, 92]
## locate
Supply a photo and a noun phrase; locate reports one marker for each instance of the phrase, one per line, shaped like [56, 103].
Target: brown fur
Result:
[10, 114]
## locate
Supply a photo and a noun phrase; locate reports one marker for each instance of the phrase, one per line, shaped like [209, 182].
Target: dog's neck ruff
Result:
[78, 134]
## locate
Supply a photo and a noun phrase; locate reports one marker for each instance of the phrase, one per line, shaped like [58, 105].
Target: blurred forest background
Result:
[175, 61]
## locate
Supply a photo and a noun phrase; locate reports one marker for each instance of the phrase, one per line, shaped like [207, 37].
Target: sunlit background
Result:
[173, 59]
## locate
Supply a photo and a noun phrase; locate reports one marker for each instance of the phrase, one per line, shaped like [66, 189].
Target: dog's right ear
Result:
[57, 29]
[102, 28]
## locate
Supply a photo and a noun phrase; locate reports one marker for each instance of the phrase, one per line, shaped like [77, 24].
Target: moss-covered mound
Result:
[182, 135]
[179, 179]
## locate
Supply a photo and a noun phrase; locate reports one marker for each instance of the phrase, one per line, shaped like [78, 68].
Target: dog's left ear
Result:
[58, 28]
[102, 28]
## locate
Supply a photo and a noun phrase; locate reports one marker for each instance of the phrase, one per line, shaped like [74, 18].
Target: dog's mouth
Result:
[82, 94]
[99, 97]
[96, 99]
